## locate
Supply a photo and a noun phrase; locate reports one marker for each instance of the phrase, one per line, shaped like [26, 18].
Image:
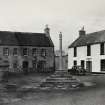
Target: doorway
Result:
[82, 63]
[41, 66]
[25, 66]
[89, 66]
[34, 63]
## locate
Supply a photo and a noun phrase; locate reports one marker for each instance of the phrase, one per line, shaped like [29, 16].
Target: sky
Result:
[66, 16]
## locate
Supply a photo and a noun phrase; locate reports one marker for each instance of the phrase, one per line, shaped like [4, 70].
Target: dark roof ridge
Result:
[95, 32]
[23, 32]
[90, 38]
[11, 38]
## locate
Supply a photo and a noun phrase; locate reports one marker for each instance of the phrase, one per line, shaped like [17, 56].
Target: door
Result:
[75, 63]
[41, 66]
[89, 66]
[34, 63]
[82, 63]
[25, 67]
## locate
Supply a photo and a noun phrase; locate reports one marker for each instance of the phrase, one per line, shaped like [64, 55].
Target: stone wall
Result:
[19, 58]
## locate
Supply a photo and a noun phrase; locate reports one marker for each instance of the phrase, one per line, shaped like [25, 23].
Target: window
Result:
[6, 51]
[25, 51]
[15, 51]
[43, 52]
[34, 51]
[75, 51]
[102, 49]
[88, 50]
[75, 63]
[103, 65]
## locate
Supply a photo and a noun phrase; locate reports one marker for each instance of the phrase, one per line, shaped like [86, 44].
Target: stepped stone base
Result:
[60, 80]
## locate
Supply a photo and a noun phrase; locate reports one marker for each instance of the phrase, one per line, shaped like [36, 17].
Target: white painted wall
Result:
[82, 55]
[70, 58]
[95, 54]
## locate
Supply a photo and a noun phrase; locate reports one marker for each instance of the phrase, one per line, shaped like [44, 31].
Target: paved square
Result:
[94, 95]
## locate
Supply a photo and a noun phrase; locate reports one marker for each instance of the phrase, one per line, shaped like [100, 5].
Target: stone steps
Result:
[60, 80]
[69, 76]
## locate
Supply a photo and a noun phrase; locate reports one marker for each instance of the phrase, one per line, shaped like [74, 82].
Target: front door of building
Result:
[34, 63]
[41, 66]
[82, 63]
[25, 67]
[89, 66]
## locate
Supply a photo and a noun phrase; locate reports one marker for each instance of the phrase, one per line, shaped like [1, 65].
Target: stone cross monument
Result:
[60, 51]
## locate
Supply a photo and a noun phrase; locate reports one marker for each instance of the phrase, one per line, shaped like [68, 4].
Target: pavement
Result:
[90, 95]
[13, 89]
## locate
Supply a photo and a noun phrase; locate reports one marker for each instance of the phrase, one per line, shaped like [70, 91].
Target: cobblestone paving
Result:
[94, 95]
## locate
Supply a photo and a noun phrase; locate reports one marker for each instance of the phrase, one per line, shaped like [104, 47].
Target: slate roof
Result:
[88, 39]
[8, 38]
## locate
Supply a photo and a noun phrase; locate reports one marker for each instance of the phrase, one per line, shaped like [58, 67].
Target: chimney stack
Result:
[47, 31]
[82, 32]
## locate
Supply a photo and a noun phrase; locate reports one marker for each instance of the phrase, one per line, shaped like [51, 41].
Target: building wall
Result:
[49, 58]
[82, 55]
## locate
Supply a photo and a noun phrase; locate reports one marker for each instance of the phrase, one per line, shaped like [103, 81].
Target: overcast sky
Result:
[67, 16]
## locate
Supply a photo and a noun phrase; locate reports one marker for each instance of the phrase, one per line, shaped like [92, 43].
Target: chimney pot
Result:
[47, 30]
[82, 32]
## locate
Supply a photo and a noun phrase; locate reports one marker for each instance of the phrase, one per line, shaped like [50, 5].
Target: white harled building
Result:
[88, 51]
